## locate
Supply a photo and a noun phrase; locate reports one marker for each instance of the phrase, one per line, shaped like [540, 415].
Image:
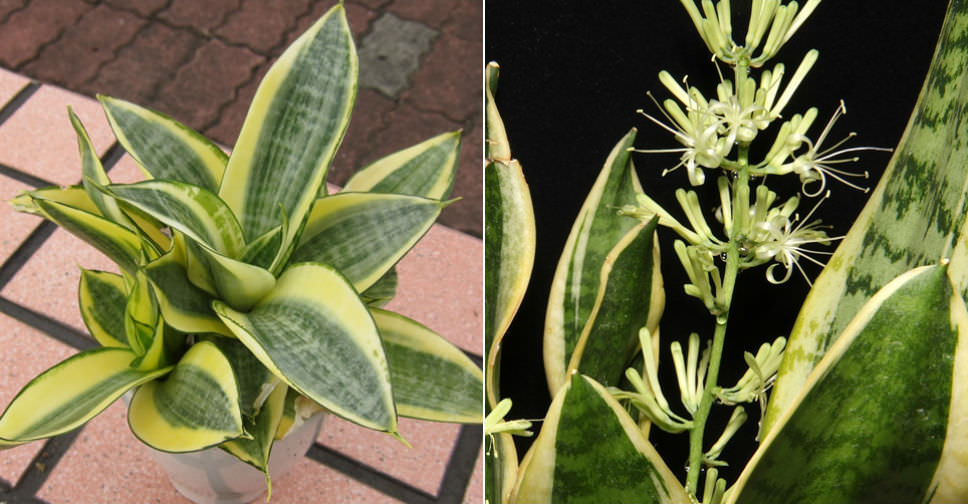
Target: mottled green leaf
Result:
[915, 216]
[196, 406]
[163, 147]
[364, 234]
[590, 450]
[597, 229]
[295, 123]
[314, 333]
[102, 298]
[426, 170]
[69, 394]
[432, 379]
[870, 424]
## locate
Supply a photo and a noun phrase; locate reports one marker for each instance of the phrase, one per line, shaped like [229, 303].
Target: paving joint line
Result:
[52, 328]
[225, 19]
[281, 45]
[36, 239]
[112, 156]
[114, 53]
[382, 482]
[150, 17]
[18, 100]
[43, 463]
[156, 87]
[26, 178]
[52, 41]
[11, 13]
[24, 251]
[204, 129]
[460, 467]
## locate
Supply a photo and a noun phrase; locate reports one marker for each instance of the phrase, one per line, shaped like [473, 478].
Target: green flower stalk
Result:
[758, 228]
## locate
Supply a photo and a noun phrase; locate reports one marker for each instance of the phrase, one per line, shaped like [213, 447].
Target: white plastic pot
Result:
[213, 476]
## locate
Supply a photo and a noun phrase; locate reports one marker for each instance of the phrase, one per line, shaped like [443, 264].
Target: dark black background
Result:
[572, 75]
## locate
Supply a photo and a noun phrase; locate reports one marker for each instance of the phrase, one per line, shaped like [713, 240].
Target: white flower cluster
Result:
[715, 134]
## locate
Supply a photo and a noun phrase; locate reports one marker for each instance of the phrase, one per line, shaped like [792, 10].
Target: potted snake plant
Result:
[863, 399]
[249, 297]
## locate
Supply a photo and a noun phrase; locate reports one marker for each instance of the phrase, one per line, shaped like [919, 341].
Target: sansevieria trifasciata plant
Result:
[249, 297]
[863, 400]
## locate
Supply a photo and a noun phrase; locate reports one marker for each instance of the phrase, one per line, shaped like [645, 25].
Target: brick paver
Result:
[84, 48]
[208, 82]
[140, 68]
[261, 25]
[142, 7]
[26, 31]
[200, 62]
[204, 16]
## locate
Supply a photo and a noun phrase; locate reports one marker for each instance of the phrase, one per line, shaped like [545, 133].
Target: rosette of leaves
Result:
[248, 297]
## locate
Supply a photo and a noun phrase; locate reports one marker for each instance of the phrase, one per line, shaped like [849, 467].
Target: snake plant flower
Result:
[786, 239]
[494, 422]
[706, 139]
[817, 163]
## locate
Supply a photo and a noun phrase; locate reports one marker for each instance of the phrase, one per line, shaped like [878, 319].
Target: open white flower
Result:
[817, 163]
[705, 138]
[784, 240]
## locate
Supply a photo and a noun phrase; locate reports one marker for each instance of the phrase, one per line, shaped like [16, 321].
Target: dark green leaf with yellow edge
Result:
[314, 333]
[93, 170]
[594, 234]
[262, 428]
[510, 237]
[432, 379]
[237, 283]
[69, 394]
[140, 314]
[196, 406]
[163, 147]
[292, 130]
[183, 305]
[364, 234]
[509, 248]
[611, 336]
[115, 241]
[102, 297]
[871, 423]
[426, 170]
[255, 382]
[590, 450]
[915, 216]
[381, 292]
[192, 210]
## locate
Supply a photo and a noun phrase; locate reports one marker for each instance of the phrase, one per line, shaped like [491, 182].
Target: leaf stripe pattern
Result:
[915, 216]
[163, 147]
[575, 285]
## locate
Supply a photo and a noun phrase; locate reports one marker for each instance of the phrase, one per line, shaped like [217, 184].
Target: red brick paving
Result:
[262, 24]
[210, 78]
[204, 16]
[26, 31]
[142, 7]
[154, 56]
[200, 62]
[8, 6]
[83, 48]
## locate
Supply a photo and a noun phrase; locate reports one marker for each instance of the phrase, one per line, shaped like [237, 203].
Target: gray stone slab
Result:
[391, 53]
